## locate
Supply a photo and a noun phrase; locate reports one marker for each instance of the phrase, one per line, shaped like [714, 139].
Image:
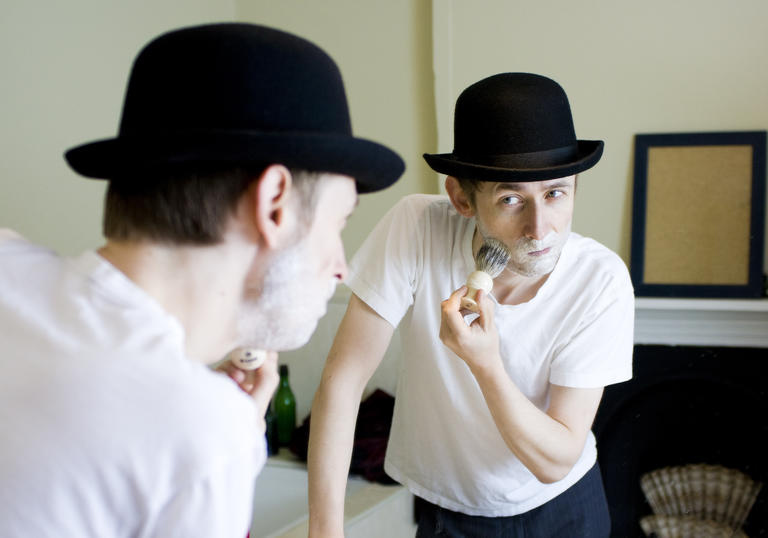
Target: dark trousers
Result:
[579, 512]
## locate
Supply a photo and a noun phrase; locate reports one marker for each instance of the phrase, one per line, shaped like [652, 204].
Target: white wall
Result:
[63, 67]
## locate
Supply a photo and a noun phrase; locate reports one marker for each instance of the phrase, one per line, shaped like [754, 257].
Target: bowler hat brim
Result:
[372, 165]
[587, 155]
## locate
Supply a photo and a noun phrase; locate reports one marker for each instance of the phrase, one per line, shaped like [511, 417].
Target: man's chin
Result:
[287, 341]
[538, 270]
[301, 339]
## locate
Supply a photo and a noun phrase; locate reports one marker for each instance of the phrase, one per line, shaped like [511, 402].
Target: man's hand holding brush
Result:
[259, 382]
[476, 343]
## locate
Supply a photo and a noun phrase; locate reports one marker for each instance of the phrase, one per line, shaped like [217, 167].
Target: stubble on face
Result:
[281, 311]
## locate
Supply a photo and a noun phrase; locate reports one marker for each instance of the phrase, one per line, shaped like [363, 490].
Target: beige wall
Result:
[628, 67]
[384, 51]
[63, 67]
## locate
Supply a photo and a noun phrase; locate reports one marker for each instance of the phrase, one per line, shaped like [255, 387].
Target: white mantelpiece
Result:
[702, 322]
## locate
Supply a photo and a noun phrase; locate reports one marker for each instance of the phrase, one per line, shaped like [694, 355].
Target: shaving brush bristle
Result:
[492, 257]
[490, 261]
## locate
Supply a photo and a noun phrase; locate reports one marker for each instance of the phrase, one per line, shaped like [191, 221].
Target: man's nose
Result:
[536, 224]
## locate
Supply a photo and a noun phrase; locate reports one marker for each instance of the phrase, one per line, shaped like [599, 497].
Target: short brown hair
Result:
[189, 208]
[470, 187]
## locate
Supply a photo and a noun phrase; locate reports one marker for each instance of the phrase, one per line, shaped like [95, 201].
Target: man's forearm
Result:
[548, 443]
[357, 350]
[330, 450]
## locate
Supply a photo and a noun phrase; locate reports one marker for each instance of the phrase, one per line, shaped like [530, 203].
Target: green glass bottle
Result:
[285, 408]
[271, 433]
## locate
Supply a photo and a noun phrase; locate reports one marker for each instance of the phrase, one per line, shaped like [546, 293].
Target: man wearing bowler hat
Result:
[229, 182]
[491, 428]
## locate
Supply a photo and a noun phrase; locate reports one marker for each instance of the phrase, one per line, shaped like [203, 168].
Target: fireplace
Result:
[684, 405]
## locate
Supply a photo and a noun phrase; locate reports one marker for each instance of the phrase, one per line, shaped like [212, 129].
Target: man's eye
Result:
[510, 200]
[555, 194]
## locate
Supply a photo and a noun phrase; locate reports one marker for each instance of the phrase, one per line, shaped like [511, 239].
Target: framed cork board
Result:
[698, 220]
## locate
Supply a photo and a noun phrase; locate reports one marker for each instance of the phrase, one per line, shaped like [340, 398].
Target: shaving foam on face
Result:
[524, 264]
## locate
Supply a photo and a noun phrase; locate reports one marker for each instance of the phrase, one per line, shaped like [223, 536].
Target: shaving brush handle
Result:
[247, 358]
[477, 280]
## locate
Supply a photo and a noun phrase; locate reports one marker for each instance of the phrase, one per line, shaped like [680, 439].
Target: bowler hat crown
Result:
[233, 94]
[515, 127]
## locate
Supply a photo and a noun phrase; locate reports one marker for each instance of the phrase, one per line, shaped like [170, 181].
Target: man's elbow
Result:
[553, 472]
[550, 477]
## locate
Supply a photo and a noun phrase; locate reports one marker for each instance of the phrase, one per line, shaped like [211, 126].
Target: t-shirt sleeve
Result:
[599, 352]
[385, 270]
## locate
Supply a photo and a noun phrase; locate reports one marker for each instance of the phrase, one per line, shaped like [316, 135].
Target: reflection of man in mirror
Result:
[229, 184]
[491, 429]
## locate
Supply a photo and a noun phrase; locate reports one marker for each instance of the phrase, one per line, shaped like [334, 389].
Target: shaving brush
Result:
[247, 358]
[490, 261]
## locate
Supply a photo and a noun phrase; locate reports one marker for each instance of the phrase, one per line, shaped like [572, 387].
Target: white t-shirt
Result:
[107, 429]
[577, 332]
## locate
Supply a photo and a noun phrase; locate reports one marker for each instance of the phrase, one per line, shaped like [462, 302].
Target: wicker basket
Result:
[687, 527]
[705, 492]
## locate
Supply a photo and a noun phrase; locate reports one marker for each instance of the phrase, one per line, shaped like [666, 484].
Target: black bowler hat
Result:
[235, 94]
[515, 127]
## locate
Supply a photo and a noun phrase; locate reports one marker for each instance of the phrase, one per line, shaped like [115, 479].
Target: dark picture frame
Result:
[698, 217]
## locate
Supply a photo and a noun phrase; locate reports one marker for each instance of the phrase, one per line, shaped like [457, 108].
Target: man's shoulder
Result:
[588, 250]
[419, 203]
[428, 211]
[206, 409]
[26, 267]
[14, 246]
[594, 261]
[7, 235]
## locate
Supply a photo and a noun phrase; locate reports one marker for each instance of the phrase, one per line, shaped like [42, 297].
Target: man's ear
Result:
[271, 212]
[459, 198]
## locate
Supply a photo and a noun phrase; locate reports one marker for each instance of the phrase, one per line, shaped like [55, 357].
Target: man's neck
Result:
[200, 286]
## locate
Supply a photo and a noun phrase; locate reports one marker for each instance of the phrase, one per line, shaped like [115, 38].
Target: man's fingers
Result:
[259, 383]
[234, 373]
[264, 381]
[453, 327]
[485, 309]
[451, 309]
[454, 301]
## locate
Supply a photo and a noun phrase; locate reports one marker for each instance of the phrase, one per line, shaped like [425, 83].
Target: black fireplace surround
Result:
[685, 404]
